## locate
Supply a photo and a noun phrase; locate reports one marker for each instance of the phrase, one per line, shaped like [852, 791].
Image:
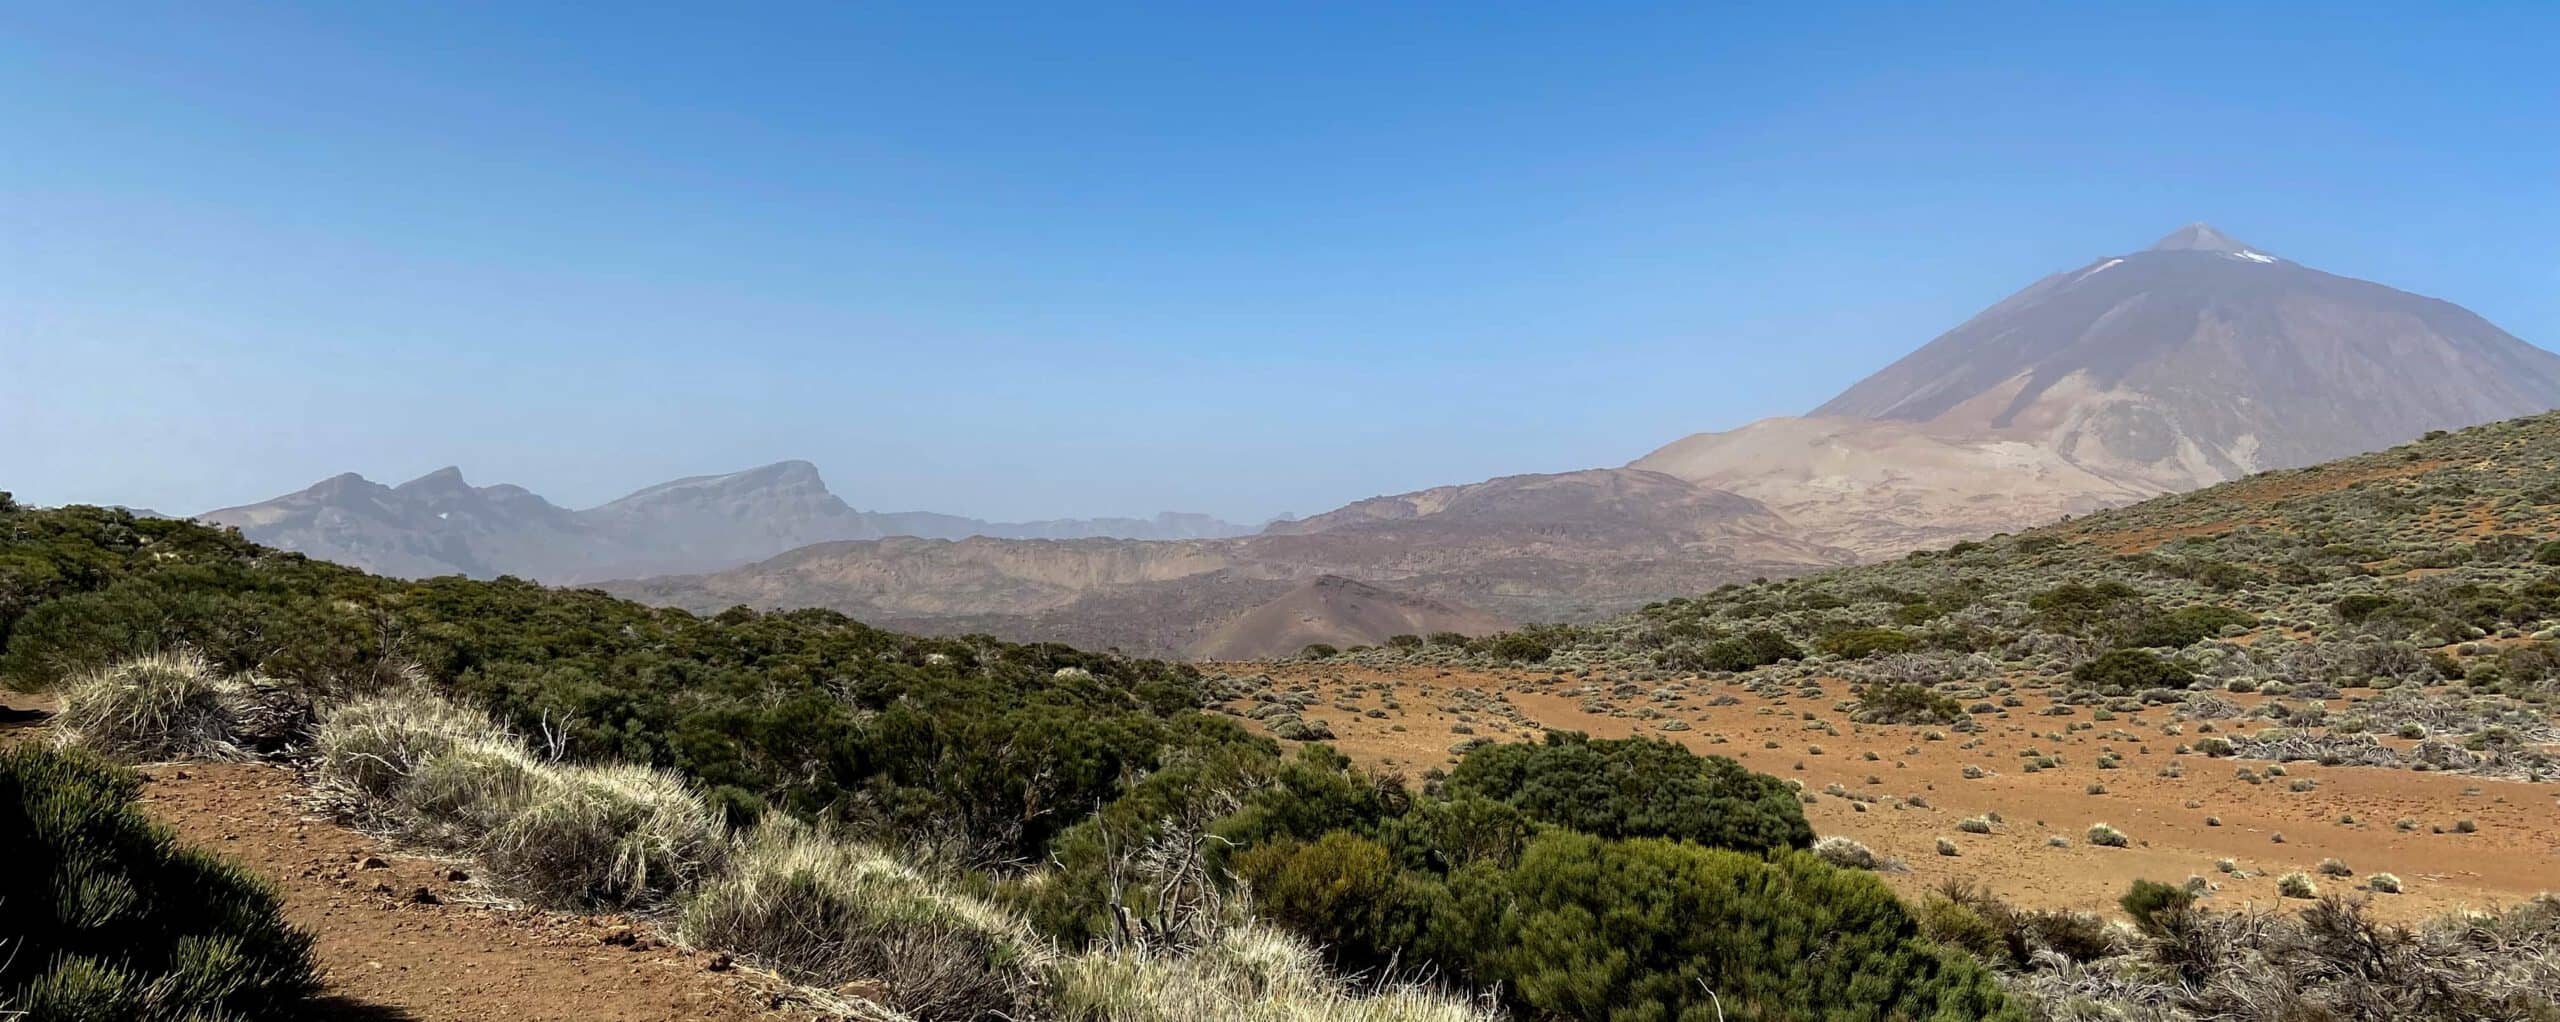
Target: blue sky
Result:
[1245, 259]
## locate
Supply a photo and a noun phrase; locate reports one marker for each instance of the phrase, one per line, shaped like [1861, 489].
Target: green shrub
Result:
[1636, 787]
[1519, 647]
[2127, 671]
[2080, 607]
[2156, 908]
[1907, 704]
[1342, 891]
[1587, 928]
[105, 917]
[1858, 643]
[2185, 627]
[1758, 647]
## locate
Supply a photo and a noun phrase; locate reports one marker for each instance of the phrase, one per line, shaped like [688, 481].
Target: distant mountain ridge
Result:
[439, 524]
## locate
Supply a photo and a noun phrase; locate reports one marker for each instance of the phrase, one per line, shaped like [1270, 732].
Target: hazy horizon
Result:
[1033, 263]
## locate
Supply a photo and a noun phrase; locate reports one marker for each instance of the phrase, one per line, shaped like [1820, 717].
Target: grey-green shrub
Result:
[104, 916]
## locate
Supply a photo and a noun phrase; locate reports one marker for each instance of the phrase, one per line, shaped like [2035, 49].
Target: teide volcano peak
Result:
[2197, 360]
[2203, 359]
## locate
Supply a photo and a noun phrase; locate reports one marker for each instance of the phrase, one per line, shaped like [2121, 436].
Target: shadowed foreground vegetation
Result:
[104, 917]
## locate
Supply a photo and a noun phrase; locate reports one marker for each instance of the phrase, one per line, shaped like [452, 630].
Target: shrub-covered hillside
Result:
[1084, 795]
[989, 746]
[2425, 577]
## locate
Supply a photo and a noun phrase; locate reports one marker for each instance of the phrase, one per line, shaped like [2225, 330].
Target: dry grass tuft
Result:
[173, 706]
[371, 747]
[826, 912]
[611, 835]
[1246, 972]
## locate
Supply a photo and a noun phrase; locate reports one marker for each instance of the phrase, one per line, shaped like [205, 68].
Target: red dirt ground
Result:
[2514, 855]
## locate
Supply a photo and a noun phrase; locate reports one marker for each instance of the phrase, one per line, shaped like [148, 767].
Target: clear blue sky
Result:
[1237, 258]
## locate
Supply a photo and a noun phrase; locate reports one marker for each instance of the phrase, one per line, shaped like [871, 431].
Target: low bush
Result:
[1636, 787]
[171, 706]
[1243, 973]
[1860, 643]
[556, 834]
[622, 836]
[1651, 929]
[827, 912]
[372, 746]
[1845, 852]
[2127, 671]
[2156, 908]
[1906, 704]
[103, 916]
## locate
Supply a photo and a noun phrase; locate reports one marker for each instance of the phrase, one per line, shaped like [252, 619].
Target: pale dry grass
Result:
[825, 911]
[1247, 972]
[166, 706]
[557, 834]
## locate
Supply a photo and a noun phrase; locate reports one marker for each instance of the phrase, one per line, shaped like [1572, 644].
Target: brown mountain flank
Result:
[1338, 612]
[1574, 545]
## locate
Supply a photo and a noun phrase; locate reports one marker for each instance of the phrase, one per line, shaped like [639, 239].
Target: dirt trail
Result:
[403, 938]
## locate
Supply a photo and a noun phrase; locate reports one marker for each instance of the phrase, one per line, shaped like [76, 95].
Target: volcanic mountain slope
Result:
[2198, 360]
[1339, 612]
[2203, 359]
[438, 524]
[1567, 546]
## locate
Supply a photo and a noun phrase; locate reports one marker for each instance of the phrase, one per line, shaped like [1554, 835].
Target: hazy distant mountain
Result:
[438, 524]
[1519, 548]
[2198, 360]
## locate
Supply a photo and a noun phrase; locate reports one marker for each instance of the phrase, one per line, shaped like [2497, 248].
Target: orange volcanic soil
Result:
[2349, 816]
